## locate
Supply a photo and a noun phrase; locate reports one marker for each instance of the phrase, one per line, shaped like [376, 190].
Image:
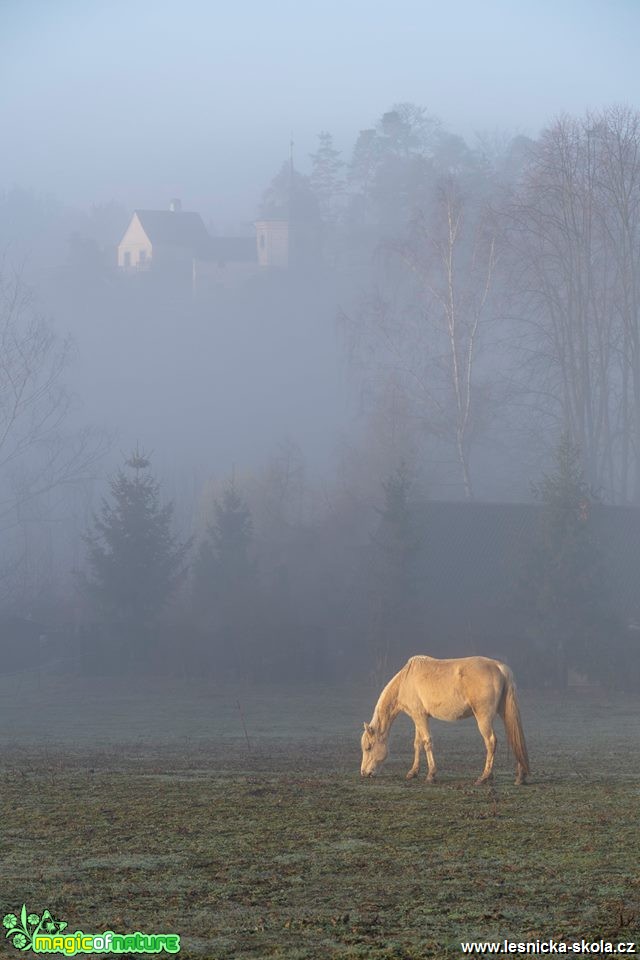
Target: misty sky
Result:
[143, 101]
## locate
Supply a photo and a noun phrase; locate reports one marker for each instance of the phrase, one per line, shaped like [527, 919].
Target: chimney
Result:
[175, 206]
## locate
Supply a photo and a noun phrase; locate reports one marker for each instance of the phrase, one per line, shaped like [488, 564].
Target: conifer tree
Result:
[289, 197]
[225, 591]
[326, 178]
[135, 562]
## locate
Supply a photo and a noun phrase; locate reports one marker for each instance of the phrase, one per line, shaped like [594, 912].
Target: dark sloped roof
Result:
[229, 250]
[618, 530]
[472, 555]
[176, 229]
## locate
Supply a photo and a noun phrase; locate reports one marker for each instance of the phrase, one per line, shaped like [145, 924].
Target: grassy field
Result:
[143, 807]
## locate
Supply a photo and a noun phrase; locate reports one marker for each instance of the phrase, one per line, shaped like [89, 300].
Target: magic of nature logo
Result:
[42, 933]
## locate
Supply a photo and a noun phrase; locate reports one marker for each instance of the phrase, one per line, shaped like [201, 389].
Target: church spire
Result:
[290, 204]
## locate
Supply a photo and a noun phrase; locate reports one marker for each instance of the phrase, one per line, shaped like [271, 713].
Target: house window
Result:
[262, 243]
[142, 258]
[127, 258]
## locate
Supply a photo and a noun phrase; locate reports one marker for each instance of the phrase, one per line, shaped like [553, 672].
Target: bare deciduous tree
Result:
[454, 263]
[39, 454]
[575, 244]
[425, 332]
[616, 133]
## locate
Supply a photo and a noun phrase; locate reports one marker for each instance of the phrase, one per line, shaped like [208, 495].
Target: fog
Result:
[142, 102]
[312, 287]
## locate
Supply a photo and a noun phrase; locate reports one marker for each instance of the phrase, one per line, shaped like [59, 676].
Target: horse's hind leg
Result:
[485, 726]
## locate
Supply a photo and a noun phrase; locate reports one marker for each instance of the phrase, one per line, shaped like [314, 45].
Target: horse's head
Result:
[374, 751]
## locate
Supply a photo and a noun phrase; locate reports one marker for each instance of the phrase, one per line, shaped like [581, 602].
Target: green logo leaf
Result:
[22, 930]
[50, 925]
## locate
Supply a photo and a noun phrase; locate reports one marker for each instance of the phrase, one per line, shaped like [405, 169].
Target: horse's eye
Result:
[367, 747]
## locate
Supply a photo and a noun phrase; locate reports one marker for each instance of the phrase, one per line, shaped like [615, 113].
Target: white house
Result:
[162, 238]
[172, 240]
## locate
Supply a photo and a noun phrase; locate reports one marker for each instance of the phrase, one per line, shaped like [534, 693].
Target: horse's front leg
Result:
[417, 744]
[423, 738]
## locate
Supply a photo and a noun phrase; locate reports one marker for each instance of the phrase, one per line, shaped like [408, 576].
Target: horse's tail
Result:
[512, 721]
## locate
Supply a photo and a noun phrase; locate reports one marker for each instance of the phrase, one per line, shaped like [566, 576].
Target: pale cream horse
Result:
[447, 690]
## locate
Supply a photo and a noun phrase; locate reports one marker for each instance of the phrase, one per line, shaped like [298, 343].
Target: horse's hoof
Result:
[411, 775]
[480, 782]
[430, 780]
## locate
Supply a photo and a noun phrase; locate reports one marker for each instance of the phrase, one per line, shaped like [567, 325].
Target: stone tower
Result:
[272, 238]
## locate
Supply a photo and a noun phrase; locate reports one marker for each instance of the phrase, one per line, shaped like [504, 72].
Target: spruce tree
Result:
[134, 561]
[289, 197]
[225, 593]
[326, 178]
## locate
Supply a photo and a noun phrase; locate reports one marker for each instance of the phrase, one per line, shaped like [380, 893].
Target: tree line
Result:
[283, 601]
[503, 302]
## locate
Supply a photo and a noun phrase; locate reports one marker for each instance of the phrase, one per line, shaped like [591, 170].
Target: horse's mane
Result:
[385, 709]
[418, 658]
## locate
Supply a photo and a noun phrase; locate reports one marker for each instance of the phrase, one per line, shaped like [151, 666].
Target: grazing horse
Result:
[447, 690]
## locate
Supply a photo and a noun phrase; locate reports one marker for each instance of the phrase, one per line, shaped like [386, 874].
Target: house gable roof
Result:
[174, 228]
[187, 230]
